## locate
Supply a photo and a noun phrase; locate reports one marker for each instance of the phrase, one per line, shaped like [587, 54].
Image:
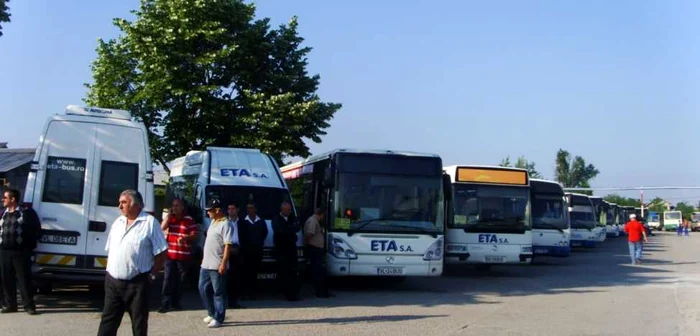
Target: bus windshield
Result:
[582, 217]
[549, 212]
[489, 207]
[654, 218]
[267, 200]
[672, 215]
[383, 202]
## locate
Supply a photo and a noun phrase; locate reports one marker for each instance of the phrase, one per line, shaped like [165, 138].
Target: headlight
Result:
[434, 252]
[340, 249]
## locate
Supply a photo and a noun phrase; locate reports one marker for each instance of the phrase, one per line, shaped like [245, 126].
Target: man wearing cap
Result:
[212, 276]
[635, 232]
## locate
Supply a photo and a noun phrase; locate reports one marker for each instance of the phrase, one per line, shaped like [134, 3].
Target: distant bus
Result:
[695, 221]
[551, 233]
[654, 220]
[613, 217]
[583, 220]
[491, 216]
[601, 208]
[672, 220]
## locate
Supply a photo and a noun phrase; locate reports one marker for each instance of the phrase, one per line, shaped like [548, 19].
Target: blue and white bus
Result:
[583, 223]
[613, 217]
[385, 210]
[491, 216]
[551, 232]
[601, 209]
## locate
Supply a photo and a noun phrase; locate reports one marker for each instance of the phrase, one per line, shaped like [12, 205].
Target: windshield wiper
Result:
[549, 226]
[420, 229]
[364, 223]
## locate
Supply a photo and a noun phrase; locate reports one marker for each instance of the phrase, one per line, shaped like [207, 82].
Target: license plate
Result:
[575, 235]
[391, 271]
[541, 251]
[575, 244]
[59, 239]
[495, 259]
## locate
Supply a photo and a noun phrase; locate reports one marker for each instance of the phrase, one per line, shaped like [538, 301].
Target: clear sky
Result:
[616, 82]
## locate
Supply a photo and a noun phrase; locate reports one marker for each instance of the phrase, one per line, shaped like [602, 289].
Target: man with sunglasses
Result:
[19, 232]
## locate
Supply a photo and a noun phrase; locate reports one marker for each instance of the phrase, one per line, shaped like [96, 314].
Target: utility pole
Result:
[641, 199]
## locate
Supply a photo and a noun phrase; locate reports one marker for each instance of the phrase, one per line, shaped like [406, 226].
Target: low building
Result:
[14, 166]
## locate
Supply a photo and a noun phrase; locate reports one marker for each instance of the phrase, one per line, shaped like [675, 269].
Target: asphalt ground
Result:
[593, 292]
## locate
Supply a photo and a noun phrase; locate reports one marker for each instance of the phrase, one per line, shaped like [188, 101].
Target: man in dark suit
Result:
[285, 227]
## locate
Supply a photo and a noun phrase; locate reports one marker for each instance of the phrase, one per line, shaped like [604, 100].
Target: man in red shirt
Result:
[182, 233]
[635, 233]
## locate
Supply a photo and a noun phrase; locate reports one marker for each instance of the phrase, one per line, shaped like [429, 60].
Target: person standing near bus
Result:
[212, 276]
[20, 231]
[253, 232]
[182, 232]
[285, 227]
[136, 250]
[314, 236]
[635, 234]
[233, 276]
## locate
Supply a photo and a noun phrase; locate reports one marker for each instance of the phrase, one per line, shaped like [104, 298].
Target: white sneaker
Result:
[214, 324]
[208, 319]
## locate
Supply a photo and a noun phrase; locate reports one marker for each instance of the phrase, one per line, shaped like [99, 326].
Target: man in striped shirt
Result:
[136, 249]
[182, 232]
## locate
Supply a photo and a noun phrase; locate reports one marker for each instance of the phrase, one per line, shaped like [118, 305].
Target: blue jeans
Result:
[212, 289]
[635, 251]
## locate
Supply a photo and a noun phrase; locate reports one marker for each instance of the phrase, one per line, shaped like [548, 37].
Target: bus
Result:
[385, 210]
[654, 220]
[672, 220]
[695, 221]
[233, 176]
[551, 233]
[490, 216]
[613, 218]
[583, 220]
[601, 209]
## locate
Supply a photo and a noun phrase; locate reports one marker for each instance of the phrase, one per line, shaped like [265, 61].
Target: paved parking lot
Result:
[595, 292]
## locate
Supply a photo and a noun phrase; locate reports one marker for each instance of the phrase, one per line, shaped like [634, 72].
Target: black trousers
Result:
[318, 270]
[287, 271]
[125, 296]
[16, 269]
[233, 278]
[174, 281]
[252, 259]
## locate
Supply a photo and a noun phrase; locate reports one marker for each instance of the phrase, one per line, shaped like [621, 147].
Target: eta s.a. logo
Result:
[487, 238]
[241, 172]
[389, 245]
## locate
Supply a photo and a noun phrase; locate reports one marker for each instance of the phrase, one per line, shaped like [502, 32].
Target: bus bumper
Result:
[584, 243]
[383, 265]
[552, 251]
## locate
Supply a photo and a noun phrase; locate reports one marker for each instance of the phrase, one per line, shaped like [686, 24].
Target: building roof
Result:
[11, 158]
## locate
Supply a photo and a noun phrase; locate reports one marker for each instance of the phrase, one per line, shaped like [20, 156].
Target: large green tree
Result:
[522, 163]
[4, 13]
[574, 173]
[208, 73]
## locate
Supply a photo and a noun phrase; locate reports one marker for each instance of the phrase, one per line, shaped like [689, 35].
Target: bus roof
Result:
[546, 186]
[323, 156]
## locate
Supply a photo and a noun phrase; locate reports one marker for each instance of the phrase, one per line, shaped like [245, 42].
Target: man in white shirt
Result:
[212, 275]
[136, 250]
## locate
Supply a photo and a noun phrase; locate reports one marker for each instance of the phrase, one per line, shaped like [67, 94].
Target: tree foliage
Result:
[657, 204]
[207, 73]
[686, 208]
[522, 163]
[574, 173]
[4, 13]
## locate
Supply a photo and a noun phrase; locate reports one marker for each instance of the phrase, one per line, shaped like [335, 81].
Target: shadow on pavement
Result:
[336, 320]
[592, 270]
